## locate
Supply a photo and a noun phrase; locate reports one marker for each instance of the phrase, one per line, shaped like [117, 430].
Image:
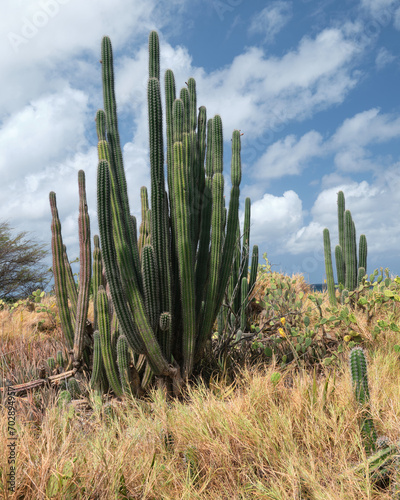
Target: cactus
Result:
[166, 287]
[60, 359]
[362, 248]
[350, 252]
[85, 269]
[358, 368]
[64, 288]
[97, 275]
[348, 271]
[123, 364]
[244, 295]
[108, 356]
[73, 388]
[328, 266]
[184, 273]
[51, 362]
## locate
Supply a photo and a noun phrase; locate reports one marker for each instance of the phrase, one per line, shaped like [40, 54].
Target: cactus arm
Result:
[350, 263]
[184, 97]
[254, 268]
[85, 272]
[123, 364]
[150, 285]
[233, 220]
[185, 258]
[362, 259]
[154, 55]
[60, 273]
[97, 275]
[71, 286]
[105, 342]
[244, 289]
[340, 265]
[96, 379]
[328, 268]
[122, 226]
[135, 325]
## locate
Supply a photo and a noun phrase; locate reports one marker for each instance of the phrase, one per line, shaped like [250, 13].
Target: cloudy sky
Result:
[313, 86]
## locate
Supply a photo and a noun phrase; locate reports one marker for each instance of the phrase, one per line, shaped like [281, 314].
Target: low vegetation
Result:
[280, 421]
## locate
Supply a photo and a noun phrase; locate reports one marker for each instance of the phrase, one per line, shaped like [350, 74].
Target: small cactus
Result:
[73, 388]
[358, 368]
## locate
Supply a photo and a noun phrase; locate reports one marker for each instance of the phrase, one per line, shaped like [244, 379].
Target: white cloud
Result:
[383, 58]
[375, 6]
[288, 156]
[367, 127]
[274, 218]
[45, 131]
[271, 19]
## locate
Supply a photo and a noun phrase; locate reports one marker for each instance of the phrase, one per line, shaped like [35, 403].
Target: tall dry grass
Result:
[297, 438]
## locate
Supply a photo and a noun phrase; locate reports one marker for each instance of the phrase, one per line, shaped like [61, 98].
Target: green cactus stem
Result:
[60, 280]
[350, 253]
[123, 364]
[244, 288]
[97, 275]
[358, 368]
[340, 269]
[362, 248]
[85, 270]
[254, 268]
[328, 268]
[107, 353]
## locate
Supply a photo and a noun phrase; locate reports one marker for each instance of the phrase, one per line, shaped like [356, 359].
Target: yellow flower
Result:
[283, 321]
[347, 338]
[282, 332]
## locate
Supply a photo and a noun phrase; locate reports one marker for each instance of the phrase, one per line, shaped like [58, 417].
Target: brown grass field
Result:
[243, 437]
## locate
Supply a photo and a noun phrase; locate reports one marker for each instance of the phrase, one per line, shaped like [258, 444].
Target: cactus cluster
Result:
[72, 303]
[157, 294]
[350, 268]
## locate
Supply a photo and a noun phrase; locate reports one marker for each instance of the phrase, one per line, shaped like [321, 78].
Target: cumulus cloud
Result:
[274, 218]
[288, 156]
[44, 131]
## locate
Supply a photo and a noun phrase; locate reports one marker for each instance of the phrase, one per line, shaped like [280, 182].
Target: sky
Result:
[312, 85]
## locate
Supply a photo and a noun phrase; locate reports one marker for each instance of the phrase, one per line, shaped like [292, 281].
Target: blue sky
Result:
[312, 85]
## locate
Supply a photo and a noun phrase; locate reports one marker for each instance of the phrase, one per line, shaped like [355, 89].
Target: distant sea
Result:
[318, 287]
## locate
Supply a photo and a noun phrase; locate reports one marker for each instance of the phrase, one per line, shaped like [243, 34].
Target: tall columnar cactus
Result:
[358, 368]
[347, 268]
[362, 255]
[350, 252]
[85, 269]
[192, 247]
[74, 334]
[328, 266]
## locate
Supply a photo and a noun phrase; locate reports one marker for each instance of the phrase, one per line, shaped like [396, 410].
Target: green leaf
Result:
[275, 377]
[268, 352]
[352, 318]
